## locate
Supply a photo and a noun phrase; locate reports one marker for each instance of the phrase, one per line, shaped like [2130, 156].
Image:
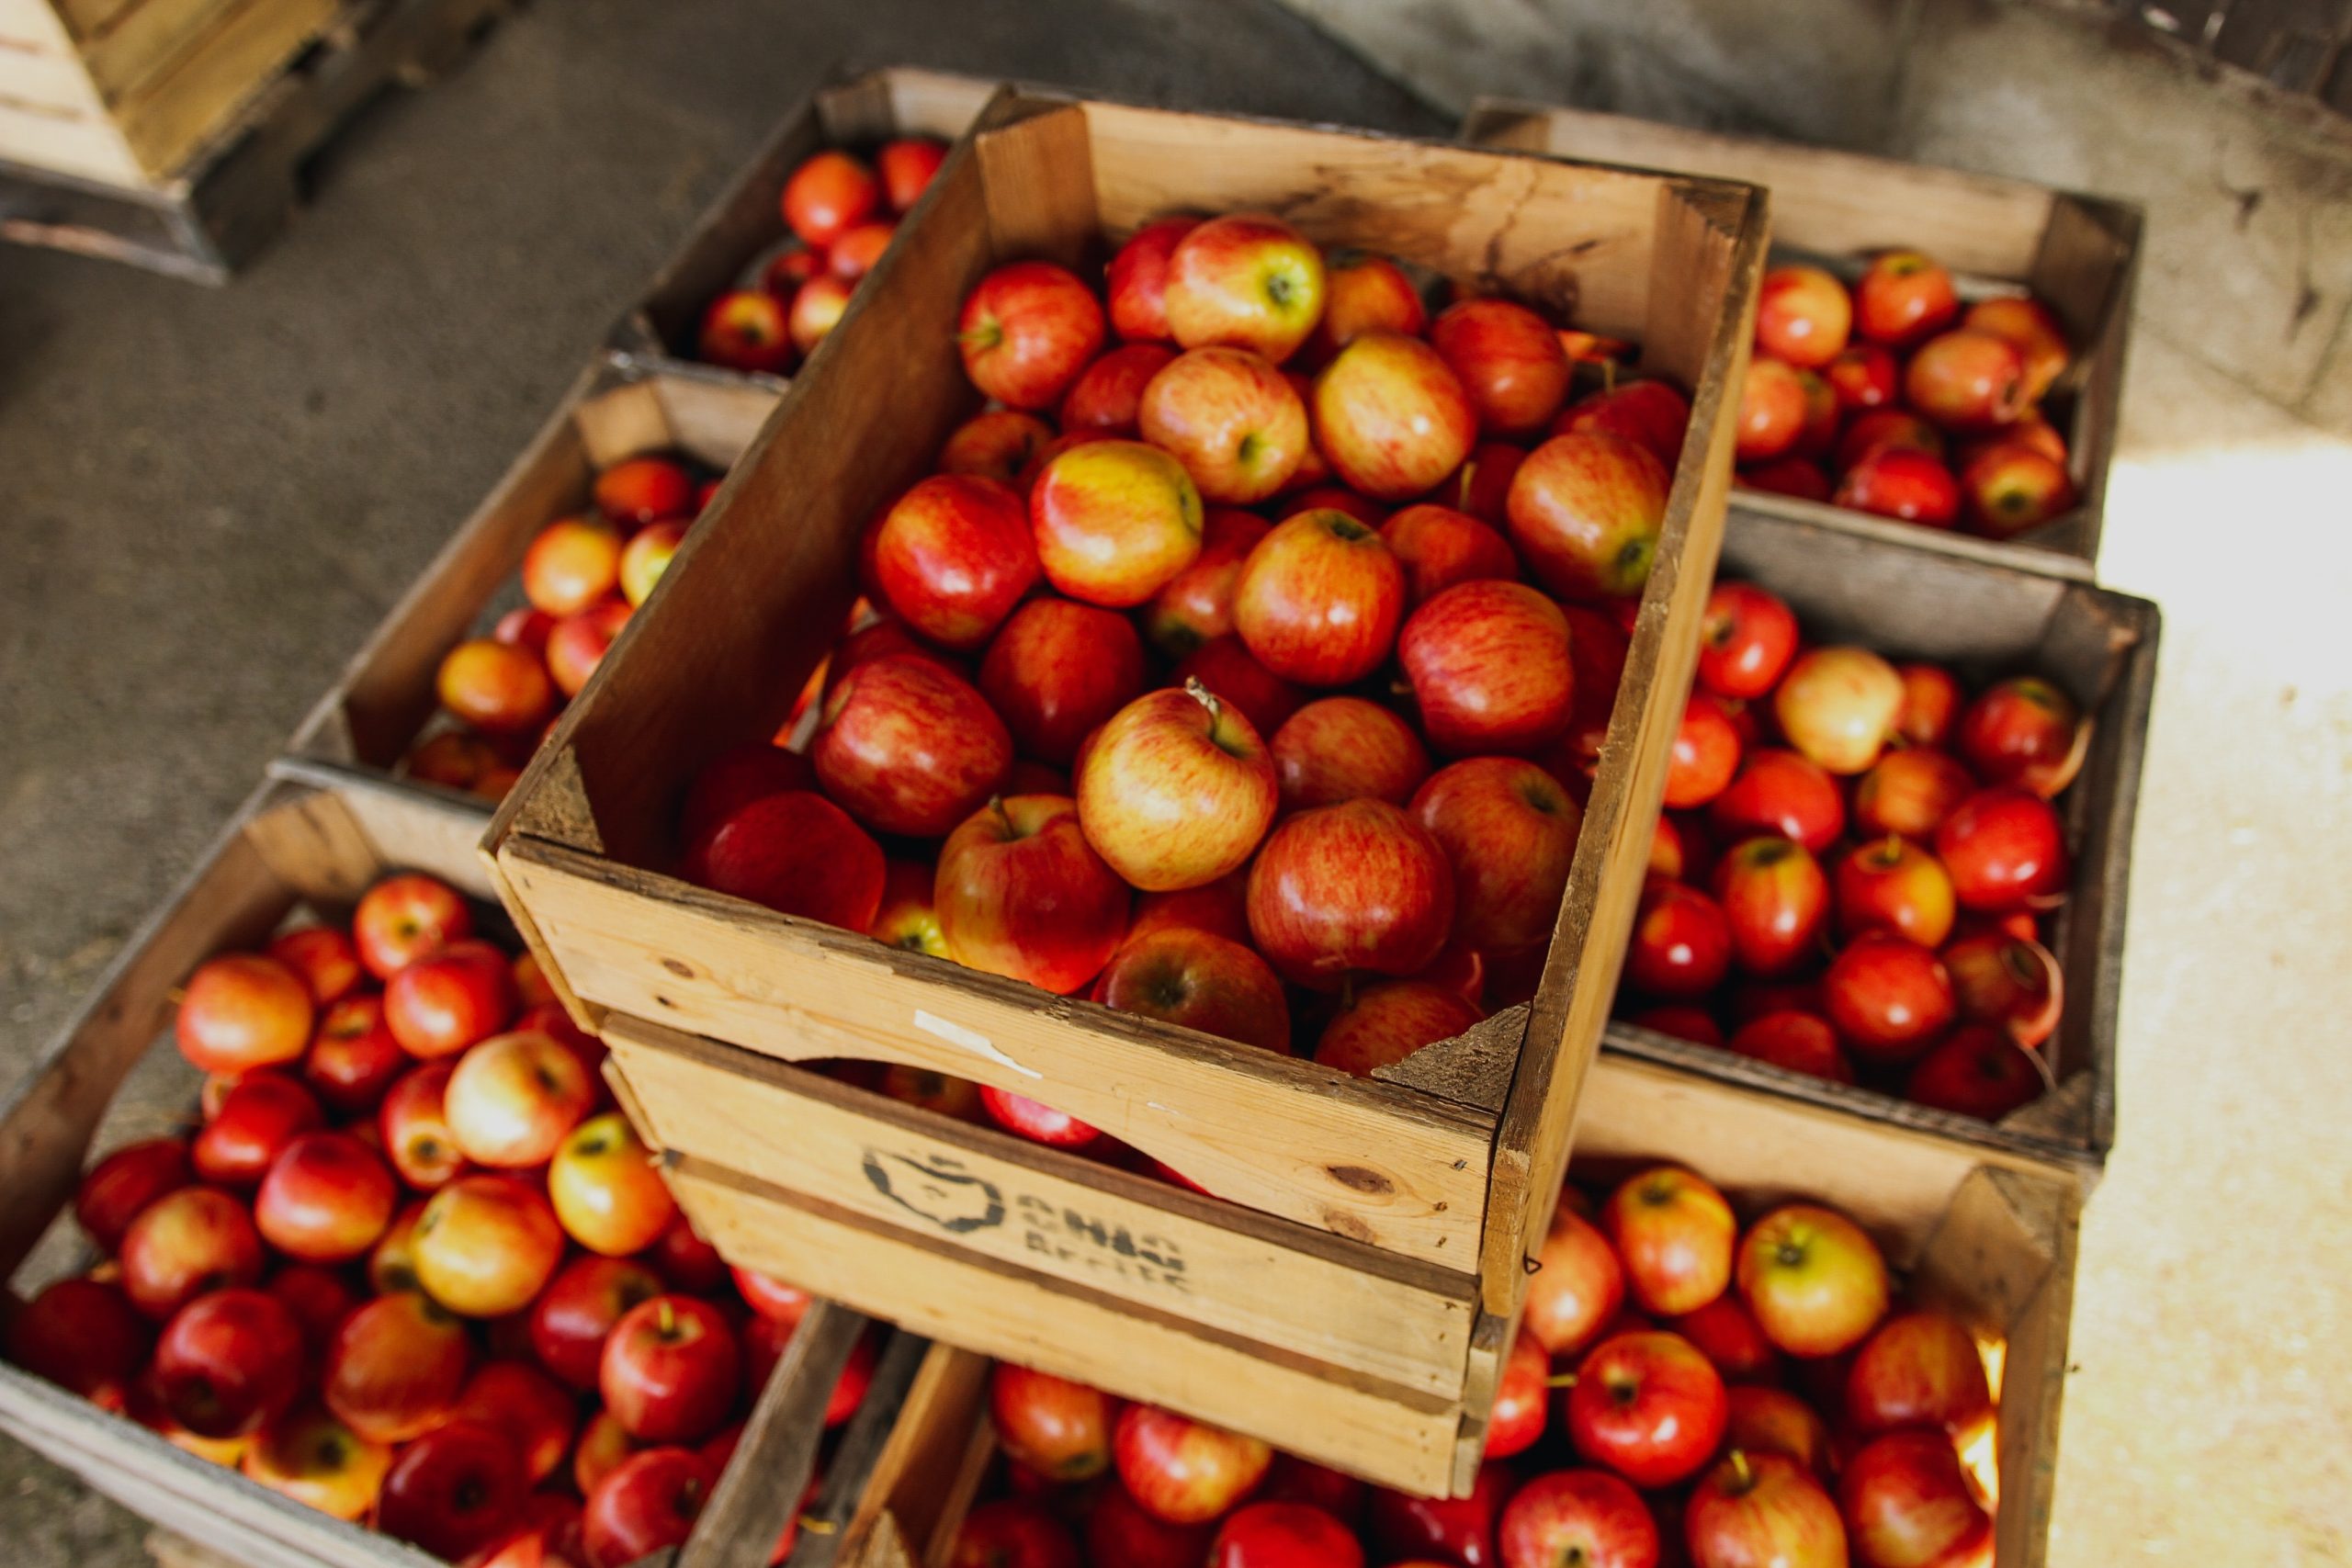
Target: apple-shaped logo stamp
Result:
[940, 1190]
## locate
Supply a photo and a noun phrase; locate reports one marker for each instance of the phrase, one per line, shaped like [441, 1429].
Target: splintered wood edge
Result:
[1473, 1068]
[761, 1489]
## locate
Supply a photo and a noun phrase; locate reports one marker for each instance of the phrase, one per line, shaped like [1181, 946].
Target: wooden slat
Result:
[174, 112]
[948, 1402]
[1126, 1235]
[146, 39]
[753, 1500]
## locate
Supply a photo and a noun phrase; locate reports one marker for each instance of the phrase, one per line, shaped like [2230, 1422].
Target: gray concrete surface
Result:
[209, 497]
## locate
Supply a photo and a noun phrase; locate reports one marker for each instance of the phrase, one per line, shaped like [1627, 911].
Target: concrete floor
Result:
[210, 496]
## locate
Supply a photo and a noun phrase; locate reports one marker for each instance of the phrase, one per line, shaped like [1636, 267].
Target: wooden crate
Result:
[1994, 1243]
[1988, 620]
[356, 734]
[1404, 1206]
[728, 244]
[2079, 253]
[293, 847]
[197, 164]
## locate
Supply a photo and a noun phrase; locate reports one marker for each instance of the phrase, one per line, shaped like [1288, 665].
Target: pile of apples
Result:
[842, 212]
[1680, 1391]
[1888, 398]
[1162, 705]
[413, 1269]
[581, 579]
[1888, 852]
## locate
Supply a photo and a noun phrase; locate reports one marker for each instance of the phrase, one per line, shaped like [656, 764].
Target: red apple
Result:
[1895, 481]
[800, 854]
[607, 1188]
[1578, 1287]
[1119, 1531]
[571, 565]
[1481, 487]
[1704, 756]
[326, 1199]
[2005, 850]
[1882, 429]
[741, 774]
[1754, 1509]
[1012, 1532]
[1509, 361]
[860, 248]
[1056, 670]
[394, 1370]
[440, 1005]
[1283, 1535]
[118, 1188]
[572, 1317]
[1358, 885]
[1976, 1071]
[1244, 280]
[1782, 793]
[1865, 377]
[1237, 425]
[1813, 1280]
[1902, 298]
[1919, 1369]
[1036, 1121]
[2009, 487]
[405, 917]
[323, 956]
[1802, 316]
[1523, 1395]
[1889, 998]
[1674, 1233]
[1746, 641]
[1318, 600]
[828, 193]
[513, 1097]
[2027, 324]
[1177, 789]
[1058, 1429]
[1199, 981]
[953, 557]
[1138, 279]
[1439, 547]
[1776, 901]
[1931, 700]
[536, 1415]
[1894, 886]
[1345, 748]
[1491, 668]
[1108, 395]
[1681, 944]
[1365, 293]
[671, 1369]
[318, 1461]
[2023, 732]
[84, 1336]
[909, 918]
[414, 1125]
[646, 557]
[486, 1244]
[1585, 509]
[241, 1012]
[1196, 605]
[1115, 521]
[999, 444]
[1772, 407]
[453, 1490]
[1392, 417]
[746, 328]
[1966, 380]
[354, 1058]
[1726, 1333]
[1508, 832]
[186, 1243]
[1026, 331]
[1774, 1421]
[1579, 1518]
[637, 491]
[1838, 705]
[577, 644]
[2010, 982]
[1184, 1471]
[1682, 1021]
[1219, 907]
[1908, 1506]
[1226, 668]
[1798, 1041]
[1910, 792]
[1383, 1025]
[780, 1303]
[1459, 1531]
[909, 748]
[1022, 893]
[1648, 1405]
[260, 1115]
[1649, 413]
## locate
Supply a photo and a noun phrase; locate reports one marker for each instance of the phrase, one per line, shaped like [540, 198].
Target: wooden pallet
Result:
[234, 196]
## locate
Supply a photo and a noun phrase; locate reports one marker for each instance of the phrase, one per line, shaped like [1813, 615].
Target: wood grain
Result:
[754, 1500]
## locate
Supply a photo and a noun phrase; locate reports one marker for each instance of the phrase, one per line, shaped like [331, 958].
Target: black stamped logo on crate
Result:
[941, 1191]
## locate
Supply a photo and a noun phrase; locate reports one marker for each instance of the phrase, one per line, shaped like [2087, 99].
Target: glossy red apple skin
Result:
[1184, 1471]
[1907, 1503]
[1578, 1287]
[1021, 893]
[2029, 324]
[1108, 395]
[1012, 1532]
[1931, 703]
[1746, 639]
[1244, 280]
[1384, 1024]
[1338, 749]
[1889, 996]
[2005, 850]
[1648, 1405]
[1177, 789]
[1782, 793]
[746, 328]
[185, 1244]
[1231, 418]
[1509, 361]
[909, 749]
[1491, 668]
[84, 1336]
[1439, 547]
[486, 1244]
[1226, 666]
[1976, 1070]
[1320, 599]
[395, 1368]
[1056, 670]
[2013, 983]
[1365, 293]
[1704, 756]
[1115, 521]
[415, 1125]
[1027, 328]
[1283, 1535]
[261, 1113]
[2009, 487]
[1726, 1333]
[1802, 316]
[953, 557]
[1966, 380]
[1902, 298]
[1585, 512]
[327, 1198]
[354, 1058]
[671, 1369]
[1649, 413]
[452, 1490]
[241, 1012]
[1910, 792]
[1059, 1428]
[525, 1405]
[404, 917]
[1509, 831]
[1587, 1517]
[319, 1462]
[1358, 885]
[1195, 606]
[572, 1317]
[1682, 1021]
[325, 958]
[1459, 1531]
[1674, 1234]
[2021, 731]
[997, 443]
[796, 853]
[1036, 1121]
[1897, 482]
[1681, 944]
[1893, 884]
[438, 1006]
[606, 1190]
[1392, 417]
[1918, 1369]
[1119, 1530]
[1774, 1420]
[1777, 903]
[1198, 980]
[116, 1189]
[827, 194]
[1760, 1508]
[1137, 280]
[1771, 415]
[1799, 1040]
[1813, 1280]
[1219, 907]
[1882, 429]
[1865, 377]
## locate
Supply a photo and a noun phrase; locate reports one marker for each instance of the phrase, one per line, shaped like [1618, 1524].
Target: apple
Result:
[1036, 1121]
[1681, 944]
[1976, 1070]
[637, 491]
[1889, 996]
[606, 1189]
[1726, 1333]
[1522, 1394]
[1680, 1020]
[2023, 732]
[544, 1533]
[572, 1317]
[908, 918]
[1244, 280]
[1865, 377]
[1746, 639]
[1813, 1280]
[1119, 1531]
[353, 1059]
[1838, 705]
[83, 1335]
[1782, 793]
[1283, 1535]
[1056, 670]
[1340, 749]
[1966, 380]
[1181, 1470]
[1439, 547]
[2011, 982]
[1509, 361]
[860, 247]
[1674, 1234]
[1793, 1038]
[1219, 907]
[395, 1368]
[442, 1004]
[998, 443]
[241, 1012]
[1443, 1529]
[1776, 901]
[1058, 1429]
[1908, 1506]
[909, 748]
[1115, 521]
[1318, 600]
[645, 1506]
[2005, 850]
[513, 1098]
[391, 1262]
[1027, 328]
[1357, 885]
[746, 328]
[684, 1261]
[1772, 407]
[1200, 981]
[323, 956]
[571, 565]
[1226, 666]
[1585, 513]
[1756, 1508]
[1881, 429]
[1233, 421]
[2027, 324]
[1491, 668]
[1196, 605]
[1898, 482]
[602, 1448]
[1911, 792]
[185, 1244]
[536, 1415]
[318, 1461]
[1576, 1518]
[743, 773]
[1383, 1025]
[953, 557]
[452, 1490]
[1365, 293]
[1903, 296]
[799, 854]
[326, 1199]
[1392, 417]
[1138, 279]
[415, 1125]
[1894, 886]
[1802, 316]
[1012, 1532]
[1177, 789]
[486, 1244]
[1648, 1405]
[1704, 756]
[2009, 487]
[1481, 487]
[671, 1369]
[646, 557]
[1022, 893]
[1508, 833]
[1918, 1369]
[906, 166]
[1774, 1421]
[577, 644]
[260, 1114]
[1107, 397]
[826, 194]
[1578, 1287]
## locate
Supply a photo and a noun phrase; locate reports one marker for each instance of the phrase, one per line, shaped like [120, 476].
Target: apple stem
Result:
[1607, 374]
[1739, 1469]
[2048, 1073]
[996, 804]
[1561, 1380]
[665, 1317]
[175, 995]
[1206, 698]
[1469, 472]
